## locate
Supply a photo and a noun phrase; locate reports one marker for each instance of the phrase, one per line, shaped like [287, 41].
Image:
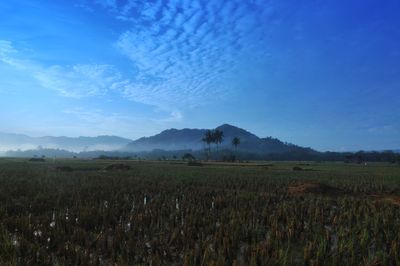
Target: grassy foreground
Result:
[70, 212]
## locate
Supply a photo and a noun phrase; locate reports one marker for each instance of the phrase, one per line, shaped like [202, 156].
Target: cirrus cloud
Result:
[77, 81]
[185, 51]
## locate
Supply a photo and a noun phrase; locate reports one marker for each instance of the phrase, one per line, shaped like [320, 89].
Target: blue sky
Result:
[324, 74]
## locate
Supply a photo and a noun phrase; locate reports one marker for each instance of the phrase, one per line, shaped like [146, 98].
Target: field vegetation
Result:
[102, 212]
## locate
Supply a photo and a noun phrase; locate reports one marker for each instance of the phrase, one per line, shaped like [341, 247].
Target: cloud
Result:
[111, 4]
[94, 122]
[185, 50]
[70, 81]
[186, 53]
[78, 80]
[98, 121]
[96, 116]
[8, 55]
[174, 116]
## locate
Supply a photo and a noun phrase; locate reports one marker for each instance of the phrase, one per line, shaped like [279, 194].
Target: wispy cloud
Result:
[78, 80]
[185, 50]
[70, 81]
[96, 117]
[112, 4]
[9, 55]
[185, 54]
[98, 121]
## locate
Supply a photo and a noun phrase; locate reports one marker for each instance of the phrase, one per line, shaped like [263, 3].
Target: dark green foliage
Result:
[235, 142]
[218, 137]
[188, 157]
[37, 159]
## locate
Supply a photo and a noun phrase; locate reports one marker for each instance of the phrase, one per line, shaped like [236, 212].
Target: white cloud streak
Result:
[185, 50]
[78, 80]
[185, 53]
[75, 81]
[97, 121]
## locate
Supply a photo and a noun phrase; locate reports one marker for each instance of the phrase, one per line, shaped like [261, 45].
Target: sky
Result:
[320, 74]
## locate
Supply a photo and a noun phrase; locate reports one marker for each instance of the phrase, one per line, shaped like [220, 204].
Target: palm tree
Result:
[208, 138]
[218, 137]
[235, 142]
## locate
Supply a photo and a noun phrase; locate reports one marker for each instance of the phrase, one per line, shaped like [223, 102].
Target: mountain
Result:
[174, 143]
[185, 139]
[167, 140]
[170, 139]
[9, 141]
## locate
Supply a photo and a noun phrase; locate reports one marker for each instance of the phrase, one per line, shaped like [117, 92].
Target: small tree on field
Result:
[188, 157]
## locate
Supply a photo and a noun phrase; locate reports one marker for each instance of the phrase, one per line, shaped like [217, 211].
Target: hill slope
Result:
[9, 141]
[185, 139]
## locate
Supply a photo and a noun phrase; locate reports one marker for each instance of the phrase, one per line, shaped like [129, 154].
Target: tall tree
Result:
[208, 138]
[218, 137]
[235, 142]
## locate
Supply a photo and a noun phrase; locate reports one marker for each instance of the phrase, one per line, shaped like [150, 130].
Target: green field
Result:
[70, 212]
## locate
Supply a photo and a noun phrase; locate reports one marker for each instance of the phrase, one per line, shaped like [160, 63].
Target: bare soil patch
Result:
[298, 168]
[316, 188]
[393, 199]
[194, 163]
[117, 166]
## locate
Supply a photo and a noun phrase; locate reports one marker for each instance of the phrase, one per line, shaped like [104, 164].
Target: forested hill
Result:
[191, 139]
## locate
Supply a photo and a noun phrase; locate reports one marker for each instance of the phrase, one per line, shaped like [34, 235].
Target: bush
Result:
[37, 160]
[188, 157]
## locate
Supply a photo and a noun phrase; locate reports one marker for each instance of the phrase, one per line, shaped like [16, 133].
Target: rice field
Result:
[98, 212]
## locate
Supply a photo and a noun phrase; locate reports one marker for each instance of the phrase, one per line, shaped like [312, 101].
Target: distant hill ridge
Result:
[11, 141]
[168, 140]
[184, 139]
[175, 143]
